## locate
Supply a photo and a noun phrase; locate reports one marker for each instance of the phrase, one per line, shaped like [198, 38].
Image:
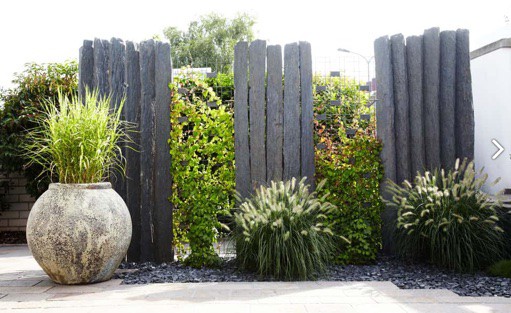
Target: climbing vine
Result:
[348, 157]
[202, 151]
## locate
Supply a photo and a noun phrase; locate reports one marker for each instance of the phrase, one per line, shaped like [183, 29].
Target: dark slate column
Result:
[86, 67]
[100, 77]
[257, 120]
[414, 67]
[291, 112]
[274, 114]
[307, 122]
[116, 75]
[431, 92]
[116, 71]
[147, 70]
[132, 109]
[464, 105]
[385, 105]
[385, 128]
[162, 180]
[241, 142]
[447, 98]
[402, 115]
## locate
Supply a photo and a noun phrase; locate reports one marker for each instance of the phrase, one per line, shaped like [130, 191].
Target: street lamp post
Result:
[368, 61]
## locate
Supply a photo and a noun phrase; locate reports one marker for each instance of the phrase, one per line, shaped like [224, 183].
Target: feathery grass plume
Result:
[78, 142]
[444, 218]
[280, 232]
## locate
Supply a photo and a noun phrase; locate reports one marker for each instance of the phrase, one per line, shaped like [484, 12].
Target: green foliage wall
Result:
[22, 104]
[202, 150]
[223, 85]
[352, 168]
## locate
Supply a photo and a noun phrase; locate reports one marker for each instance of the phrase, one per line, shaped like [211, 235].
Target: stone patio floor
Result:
[24, 287]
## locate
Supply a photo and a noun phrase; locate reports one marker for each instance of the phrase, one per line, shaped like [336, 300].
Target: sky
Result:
[53, 30]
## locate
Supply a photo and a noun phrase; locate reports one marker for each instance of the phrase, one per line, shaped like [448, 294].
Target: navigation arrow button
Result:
[499, 146]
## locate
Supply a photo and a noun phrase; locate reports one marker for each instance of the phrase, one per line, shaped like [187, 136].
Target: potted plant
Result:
[79, 230]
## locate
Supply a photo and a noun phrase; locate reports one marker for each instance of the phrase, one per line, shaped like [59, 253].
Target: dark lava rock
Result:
[402, 274]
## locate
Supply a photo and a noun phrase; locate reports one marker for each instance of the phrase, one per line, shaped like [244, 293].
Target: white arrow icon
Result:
[501, 149]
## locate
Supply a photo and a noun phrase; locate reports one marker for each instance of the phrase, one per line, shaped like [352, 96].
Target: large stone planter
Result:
[79, 233]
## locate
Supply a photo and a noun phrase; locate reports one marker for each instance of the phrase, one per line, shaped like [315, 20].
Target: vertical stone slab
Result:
[86, 67]
[116, 75]
[385, 105]
[116, 71]
[274, 114]
[257, 111]
[241, 141]
[402, 112]
[132, 110]
[414, 70]
[147, 150]
[447, 98]
[431, 74]
[100, 78]
[464, 102]
[292, 116]
[163, 180]
[385, 127]
[307, 119]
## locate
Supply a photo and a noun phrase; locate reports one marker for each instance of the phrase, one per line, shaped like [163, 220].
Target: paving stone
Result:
[304, 300]
[386, 285]
[47, 283]
[74, 289]
[330, 308]
[10, 290]
[436, 308]
[109, 283]
[347, 300]
[435, 293]
[277, 308]
[19, 283]
[363, 292]
[24, 297]
[485, 308]
[403, 299]
[485, 300]
[381, 308]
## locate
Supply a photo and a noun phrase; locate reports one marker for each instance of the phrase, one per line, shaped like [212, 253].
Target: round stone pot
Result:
[79, 233]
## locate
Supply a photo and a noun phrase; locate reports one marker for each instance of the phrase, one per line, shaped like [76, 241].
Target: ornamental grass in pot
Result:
[79, 230]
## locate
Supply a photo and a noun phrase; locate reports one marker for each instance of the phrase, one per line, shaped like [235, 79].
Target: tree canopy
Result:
[210, 41]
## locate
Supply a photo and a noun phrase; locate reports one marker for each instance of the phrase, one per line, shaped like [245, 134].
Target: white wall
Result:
[491, 87]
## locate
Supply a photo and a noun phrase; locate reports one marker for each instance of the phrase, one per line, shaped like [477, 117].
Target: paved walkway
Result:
[25, 288]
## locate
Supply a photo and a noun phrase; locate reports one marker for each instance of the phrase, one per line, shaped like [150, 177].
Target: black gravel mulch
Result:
[404, 275]
[13, 237]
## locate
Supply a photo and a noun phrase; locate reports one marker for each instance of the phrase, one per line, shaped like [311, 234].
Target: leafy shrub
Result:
[444, 218]
[223, 85]
[346, 115]
[352, 168]
[202, 150]
[280, 232]
[22, 104]
[77, 140]
[501, 269]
